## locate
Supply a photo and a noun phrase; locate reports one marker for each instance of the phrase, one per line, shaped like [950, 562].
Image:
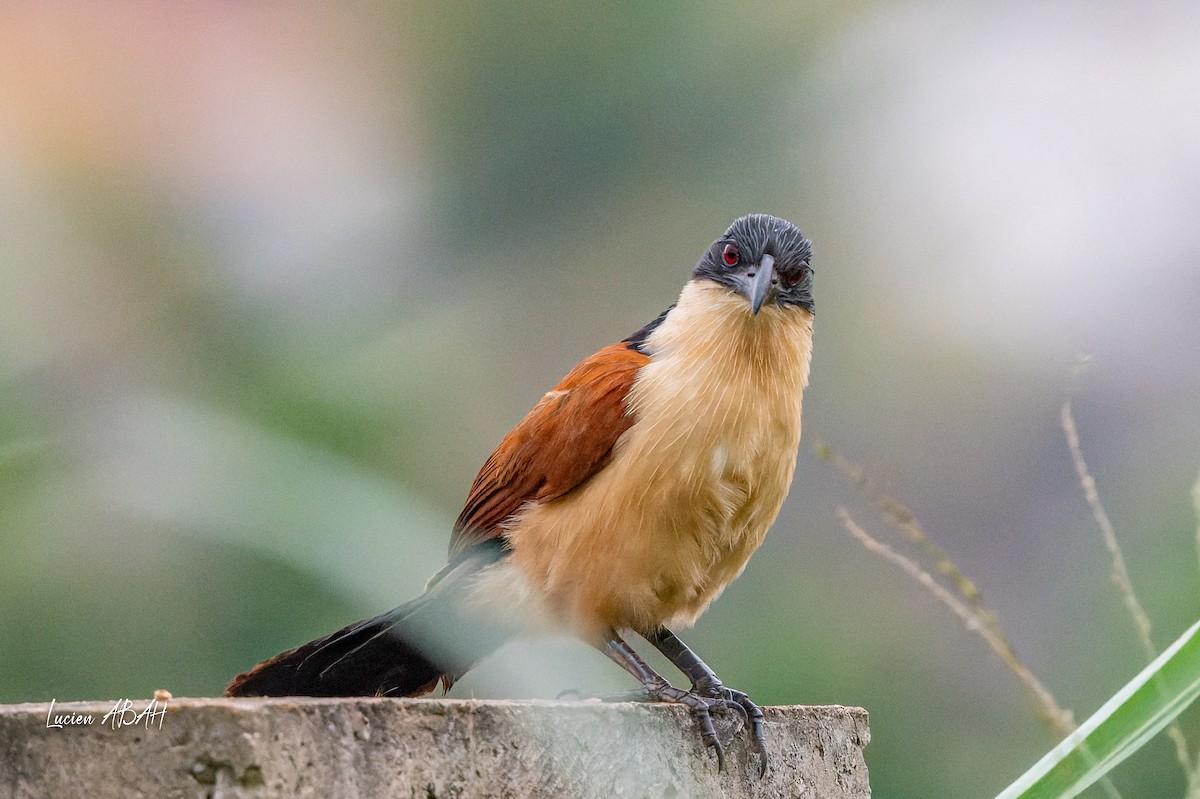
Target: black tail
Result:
[404, 652]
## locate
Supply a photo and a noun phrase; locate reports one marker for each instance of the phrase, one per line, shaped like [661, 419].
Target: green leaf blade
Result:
[1134, 715]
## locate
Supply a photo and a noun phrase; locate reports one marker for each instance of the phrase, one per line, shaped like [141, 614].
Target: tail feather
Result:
[404, 652]
[367, 658]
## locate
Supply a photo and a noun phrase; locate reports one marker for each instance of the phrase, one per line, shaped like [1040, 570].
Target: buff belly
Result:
[699, 477]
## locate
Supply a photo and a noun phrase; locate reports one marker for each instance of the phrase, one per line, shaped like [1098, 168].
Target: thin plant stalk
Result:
[906, 522]
[1196, 503]
[1058, 718]
[1120, 578]
[1120, 574]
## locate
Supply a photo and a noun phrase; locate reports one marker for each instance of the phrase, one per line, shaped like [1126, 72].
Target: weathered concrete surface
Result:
[420, 748]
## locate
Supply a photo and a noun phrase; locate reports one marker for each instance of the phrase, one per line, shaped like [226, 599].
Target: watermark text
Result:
[124, 713]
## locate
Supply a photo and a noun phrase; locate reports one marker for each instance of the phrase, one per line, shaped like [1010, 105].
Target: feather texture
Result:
[692, 486]
[404, 652]
[627, 498]
[567, 437]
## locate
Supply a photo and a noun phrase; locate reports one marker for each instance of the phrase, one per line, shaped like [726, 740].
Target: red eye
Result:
[730, 255]
[796, 277]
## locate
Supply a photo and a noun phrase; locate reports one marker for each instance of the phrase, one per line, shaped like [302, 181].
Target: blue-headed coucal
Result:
[627, 499]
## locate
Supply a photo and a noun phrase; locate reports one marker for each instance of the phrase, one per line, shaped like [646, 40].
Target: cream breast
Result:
[700, 476]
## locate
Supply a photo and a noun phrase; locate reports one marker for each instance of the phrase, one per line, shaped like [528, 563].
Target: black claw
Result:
[709, 735]
[707, 693]
[707, 686]
[751, 714]
[702, 708]
[754, 715]
[720, 756]
[636, 695]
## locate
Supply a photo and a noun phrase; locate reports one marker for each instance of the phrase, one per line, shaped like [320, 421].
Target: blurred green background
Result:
[275, 278]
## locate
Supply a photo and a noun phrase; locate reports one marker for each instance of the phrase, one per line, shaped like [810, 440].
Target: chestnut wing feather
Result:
[564, 440]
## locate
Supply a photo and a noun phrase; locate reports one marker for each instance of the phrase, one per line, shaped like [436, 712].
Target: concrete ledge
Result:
[422, 748]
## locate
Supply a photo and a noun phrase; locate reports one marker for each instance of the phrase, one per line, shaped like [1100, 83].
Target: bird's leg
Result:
[659, 690]
[706, 683]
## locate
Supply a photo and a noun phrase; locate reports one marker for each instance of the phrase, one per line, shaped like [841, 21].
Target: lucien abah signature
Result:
[124, 713]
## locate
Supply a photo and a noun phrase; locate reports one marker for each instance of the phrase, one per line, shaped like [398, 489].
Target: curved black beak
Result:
[760, 280]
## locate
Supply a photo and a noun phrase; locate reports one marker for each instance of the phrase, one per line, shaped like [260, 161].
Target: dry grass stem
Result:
[1059, 719]
[1196, 503]
[1120, 574]
[1120, 577]
[968, 603]
[1194, 774]
[904, 519]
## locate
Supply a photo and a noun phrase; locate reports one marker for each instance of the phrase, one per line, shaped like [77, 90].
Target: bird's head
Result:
[764, 259]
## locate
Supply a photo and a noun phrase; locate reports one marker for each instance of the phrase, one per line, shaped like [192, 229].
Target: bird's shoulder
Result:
[566, 438]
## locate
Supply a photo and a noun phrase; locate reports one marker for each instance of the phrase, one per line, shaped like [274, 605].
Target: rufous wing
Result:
[564, 440]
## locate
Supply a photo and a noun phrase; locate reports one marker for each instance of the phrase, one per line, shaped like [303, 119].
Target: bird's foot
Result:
[704, 701]
[636, 695]
[752, 712]
[703, 707]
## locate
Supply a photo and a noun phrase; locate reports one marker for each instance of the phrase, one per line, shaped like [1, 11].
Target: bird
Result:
[626, 500]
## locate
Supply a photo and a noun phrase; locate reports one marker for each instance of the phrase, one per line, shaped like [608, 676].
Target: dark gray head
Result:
[764, 259]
